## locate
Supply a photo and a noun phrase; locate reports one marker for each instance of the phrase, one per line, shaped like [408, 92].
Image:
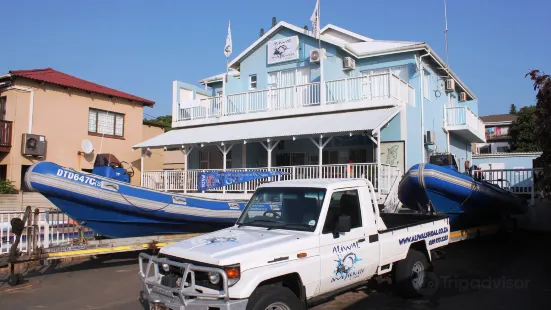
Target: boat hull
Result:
[118, 210]
[466, 201]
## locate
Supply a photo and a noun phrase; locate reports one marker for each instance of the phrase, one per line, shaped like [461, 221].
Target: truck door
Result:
[348, 257]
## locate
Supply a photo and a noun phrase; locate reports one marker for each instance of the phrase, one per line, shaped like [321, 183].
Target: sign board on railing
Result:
[282, 50]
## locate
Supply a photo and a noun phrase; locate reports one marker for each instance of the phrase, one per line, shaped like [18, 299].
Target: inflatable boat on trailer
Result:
[107, 203]
[438, 186]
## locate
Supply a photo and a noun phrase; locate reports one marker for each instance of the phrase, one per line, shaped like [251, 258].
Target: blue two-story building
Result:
[343, 105]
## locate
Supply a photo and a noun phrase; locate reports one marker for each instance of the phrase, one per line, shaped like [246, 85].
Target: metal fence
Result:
[54, 228]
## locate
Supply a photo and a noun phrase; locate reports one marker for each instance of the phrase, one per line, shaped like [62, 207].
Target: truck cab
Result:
[295, 242]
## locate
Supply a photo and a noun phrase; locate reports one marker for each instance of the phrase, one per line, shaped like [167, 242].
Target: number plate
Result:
[162, 291]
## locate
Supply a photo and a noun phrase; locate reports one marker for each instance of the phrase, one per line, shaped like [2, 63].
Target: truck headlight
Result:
[214, 277]
[165, 267]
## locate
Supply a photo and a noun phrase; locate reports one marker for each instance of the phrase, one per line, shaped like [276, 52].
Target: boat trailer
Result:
[78, 247]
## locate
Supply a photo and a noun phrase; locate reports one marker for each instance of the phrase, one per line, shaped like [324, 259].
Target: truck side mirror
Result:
[344, 223]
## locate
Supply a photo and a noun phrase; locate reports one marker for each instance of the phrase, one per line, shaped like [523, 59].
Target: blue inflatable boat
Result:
[439, 187]
[107, 203]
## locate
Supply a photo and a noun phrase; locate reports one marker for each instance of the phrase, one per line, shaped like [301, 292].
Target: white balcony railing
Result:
[373, 87]
[463, 116]
[186, 181]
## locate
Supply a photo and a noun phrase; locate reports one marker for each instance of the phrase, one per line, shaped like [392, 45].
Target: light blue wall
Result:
[461, 149]
[511, 160]
[196, 90]
[393, 132]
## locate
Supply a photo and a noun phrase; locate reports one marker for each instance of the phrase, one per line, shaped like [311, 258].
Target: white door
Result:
[348, 257]
[304, 93]
[365, 85]
[281, 85]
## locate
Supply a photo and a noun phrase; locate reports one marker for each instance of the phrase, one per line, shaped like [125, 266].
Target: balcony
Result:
[6, 132]
[465, 123]
[366, 91]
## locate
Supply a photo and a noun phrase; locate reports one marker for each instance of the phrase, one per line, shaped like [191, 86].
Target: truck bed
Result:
[394, 221]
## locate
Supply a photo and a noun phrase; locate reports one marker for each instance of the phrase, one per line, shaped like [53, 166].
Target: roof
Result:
[219, 77]
[498, 118]
[52, 76]
[344, 122]
[272, 32]
[341, 34]
[364, 49]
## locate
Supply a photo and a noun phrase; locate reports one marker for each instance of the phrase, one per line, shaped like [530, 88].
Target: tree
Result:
[542, 84]
[523, 131]
[513, 109]
[165, 121]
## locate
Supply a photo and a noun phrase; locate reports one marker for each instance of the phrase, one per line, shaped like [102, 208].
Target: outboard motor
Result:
[107, 165]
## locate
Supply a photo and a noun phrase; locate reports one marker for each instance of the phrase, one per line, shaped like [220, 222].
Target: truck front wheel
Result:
[274, 297]
[412, 274]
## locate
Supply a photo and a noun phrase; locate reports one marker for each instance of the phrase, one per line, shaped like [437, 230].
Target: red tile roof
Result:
[50, 75]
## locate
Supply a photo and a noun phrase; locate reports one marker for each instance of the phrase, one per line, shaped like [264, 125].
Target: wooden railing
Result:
[385, 86]
[6, 132]
[186, 181]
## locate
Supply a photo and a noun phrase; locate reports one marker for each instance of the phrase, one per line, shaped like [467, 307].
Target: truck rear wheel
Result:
[412, 274]
[274, 297]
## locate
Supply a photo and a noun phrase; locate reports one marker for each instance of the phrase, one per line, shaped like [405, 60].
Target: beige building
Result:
[64, 111]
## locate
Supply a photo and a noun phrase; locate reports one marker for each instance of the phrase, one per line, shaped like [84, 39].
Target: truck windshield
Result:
[292, 208]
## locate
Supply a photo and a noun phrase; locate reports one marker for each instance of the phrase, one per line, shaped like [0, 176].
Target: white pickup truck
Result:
[295, 242]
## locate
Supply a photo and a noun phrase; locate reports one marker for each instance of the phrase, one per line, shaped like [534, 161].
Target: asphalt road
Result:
[478, 274]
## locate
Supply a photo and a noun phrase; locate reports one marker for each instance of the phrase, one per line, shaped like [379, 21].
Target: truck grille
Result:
[201, 278]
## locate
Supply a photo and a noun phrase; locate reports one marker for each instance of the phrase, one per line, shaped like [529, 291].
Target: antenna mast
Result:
[446, 38]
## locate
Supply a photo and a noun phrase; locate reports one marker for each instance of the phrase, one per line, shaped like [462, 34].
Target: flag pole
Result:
[322, 54]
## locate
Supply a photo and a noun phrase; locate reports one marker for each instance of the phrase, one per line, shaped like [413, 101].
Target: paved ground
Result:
[479, 274]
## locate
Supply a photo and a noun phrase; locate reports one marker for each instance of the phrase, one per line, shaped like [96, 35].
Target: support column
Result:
[225, 150]
[187, 151]
[320, 147]
[379, 161]
[142, 150]
[269, 146]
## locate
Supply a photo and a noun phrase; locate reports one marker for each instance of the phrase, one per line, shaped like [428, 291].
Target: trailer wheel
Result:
[13, 279]
[411, 276]
[274, 297]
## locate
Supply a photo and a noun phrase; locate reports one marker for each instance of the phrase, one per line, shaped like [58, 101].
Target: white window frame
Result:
[117, 117]
[251, 82]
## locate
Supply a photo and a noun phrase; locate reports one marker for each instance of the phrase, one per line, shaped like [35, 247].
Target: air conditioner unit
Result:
[450, 85]
[348, 63]
[429, 137]
[315, 56]
[463, 96]
[33, 145]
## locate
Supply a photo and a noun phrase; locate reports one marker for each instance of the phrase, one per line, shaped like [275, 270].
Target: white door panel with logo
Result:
[346, 257]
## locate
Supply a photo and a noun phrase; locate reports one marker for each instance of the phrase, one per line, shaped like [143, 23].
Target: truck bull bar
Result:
[185, 294]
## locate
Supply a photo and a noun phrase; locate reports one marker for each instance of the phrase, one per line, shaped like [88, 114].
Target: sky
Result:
[140, 47]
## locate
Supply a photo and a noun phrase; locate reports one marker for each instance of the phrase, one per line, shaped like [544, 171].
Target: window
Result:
[105, 123]
[426, 84]
[290, 159]
[288, 208]
[213, 159]
[252, 81]
[2, 108]
[343, 203]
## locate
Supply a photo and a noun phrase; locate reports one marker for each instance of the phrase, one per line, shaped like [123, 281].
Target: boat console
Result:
[107, 165]
[445, 160]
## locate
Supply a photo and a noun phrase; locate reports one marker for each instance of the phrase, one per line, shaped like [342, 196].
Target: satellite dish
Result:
[87, 146]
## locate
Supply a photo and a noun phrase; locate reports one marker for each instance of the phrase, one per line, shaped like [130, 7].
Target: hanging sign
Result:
[283, 50]
[214, 179]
